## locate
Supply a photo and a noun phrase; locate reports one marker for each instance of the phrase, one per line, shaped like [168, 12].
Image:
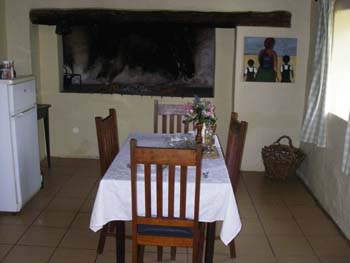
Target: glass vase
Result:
[213, 128]
[208, 138]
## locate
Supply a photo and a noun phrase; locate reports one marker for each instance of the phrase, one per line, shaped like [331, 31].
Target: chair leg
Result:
[201, 242]
[196, 249]
[232, 249]
[140, 253]
[194, 254]
[159, 253]
[107, 229]
[173, 253]
[120, 241]
[134, 252]
[209, 244]
[102, 240]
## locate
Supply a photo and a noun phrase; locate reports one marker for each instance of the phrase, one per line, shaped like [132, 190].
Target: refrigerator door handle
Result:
[23, 112]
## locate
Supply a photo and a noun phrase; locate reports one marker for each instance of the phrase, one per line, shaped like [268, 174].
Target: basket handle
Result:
[284, 137]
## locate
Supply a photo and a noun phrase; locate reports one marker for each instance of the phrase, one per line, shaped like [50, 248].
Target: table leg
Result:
[47, 138]
[209, 244]
[120, 241]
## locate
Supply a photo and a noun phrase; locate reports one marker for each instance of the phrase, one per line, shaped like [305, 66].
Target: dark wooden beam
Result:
[207, 19]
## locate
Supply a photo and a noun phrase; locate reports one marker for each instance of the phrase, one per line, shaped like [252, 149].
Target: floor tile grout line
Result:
[328, 216]
[7, 253]
[31, 224]
[304, 235]
[324, 212]
[70, 225]
[69, 248]
[76, 214]
[260, 220]
[294, 219]
[41, 212]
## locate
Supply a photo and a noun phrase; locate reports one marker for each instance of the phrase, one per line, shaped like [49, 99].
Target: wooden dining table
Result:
[217, 200]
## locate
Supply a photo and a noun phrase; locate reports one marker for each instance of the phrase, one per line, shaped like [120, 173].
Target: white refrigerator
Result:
[20, 176]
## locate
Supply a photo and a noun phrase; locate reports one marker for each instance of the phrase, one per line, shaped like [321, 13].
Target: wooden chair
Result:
[165, 229]
[171, 112]
[233, 158]
[234, 149]
[108, 146]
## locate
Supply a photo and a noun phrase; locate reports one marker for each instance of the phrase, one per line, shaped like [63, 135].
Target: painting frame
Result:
[269, 58]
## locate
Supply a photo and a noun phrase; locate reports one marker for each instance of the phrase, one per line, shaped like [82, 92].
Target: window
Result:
[339, 85]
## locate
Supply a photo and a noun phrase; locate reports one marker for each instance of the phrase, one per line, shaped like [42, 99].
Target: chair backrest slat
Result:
[172, 122]
[165, 156]
[107, 138]
[171, 191]
[183, 191]
[186, 127]
[178, 123]
[148, 207]
[235, 147]
[164, 122]
[159, 190]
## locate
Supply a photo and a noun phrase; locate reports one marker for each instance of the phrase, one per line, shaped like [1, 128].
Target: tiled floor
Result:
[281, 223]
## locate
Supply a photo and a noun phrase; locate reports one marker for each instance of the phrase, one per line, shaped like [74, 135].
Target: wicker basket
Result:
[280, 160]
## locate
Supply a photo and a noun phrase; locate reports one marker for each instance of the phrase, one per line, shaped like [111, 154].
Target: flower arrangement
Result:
[201, 111]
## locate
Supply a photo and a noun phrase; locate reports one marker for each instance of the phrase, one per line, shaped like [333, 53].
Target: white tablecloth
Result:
[217, 201]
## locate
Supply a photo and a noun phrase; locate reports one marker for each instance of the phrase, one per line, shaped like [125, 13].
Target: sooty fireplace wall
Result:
[165, 60]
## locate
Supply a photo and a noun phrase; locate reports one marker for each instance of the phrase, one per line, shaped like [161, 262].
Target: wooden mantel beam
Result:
[207, 19]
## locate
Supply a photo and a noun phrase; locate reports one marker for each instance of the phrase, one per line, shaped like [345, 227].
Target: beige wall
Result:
[3, 51]
[321, 170]
[135, 113]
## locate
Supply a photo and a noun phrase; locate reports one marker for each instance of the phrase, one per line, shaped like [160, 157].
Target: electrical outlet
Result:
[76, 130]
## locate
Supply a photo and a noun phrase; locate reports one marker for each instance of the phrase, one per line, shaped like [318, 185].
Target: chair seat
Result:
[167, 231]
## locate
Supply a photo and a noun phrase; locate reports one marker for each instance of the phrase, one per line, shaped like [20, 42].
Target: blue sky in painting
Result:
[283, 46]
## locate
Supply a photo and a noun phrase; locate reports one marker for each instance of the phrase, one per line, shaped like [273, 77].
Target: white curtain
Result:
[342, 5]
[314, 124]
[346, 155]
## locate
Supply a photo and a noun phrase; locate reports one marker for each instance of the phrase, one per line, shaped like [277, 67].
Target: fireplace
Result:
[163, 60]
